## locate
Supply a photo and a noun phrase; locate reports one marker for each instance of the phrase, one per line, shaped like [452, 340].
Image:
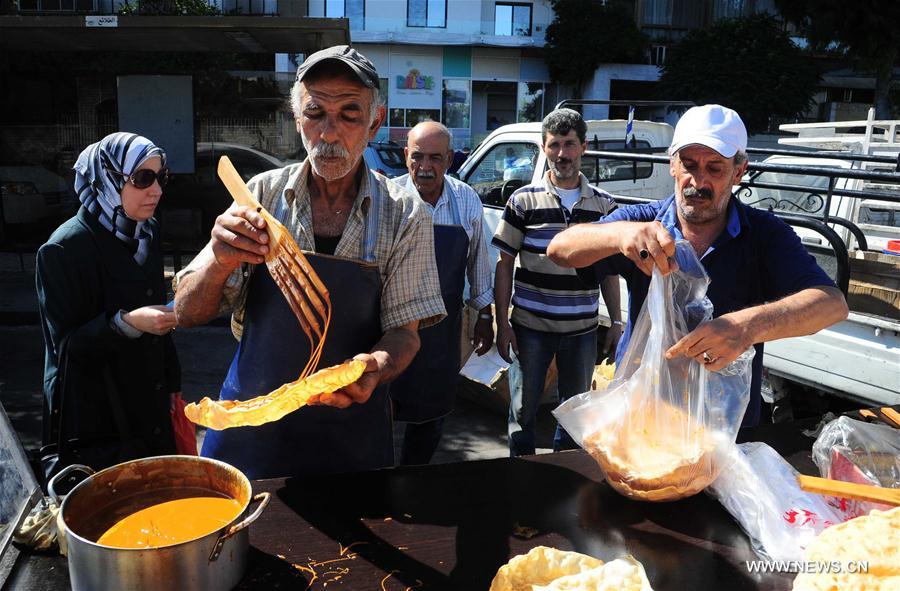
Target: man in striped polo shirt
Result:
[554, 313]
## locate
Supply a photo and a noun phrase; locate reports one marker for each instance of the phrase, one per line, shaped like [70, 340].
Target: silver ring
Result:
[644, 253]
[707, 358]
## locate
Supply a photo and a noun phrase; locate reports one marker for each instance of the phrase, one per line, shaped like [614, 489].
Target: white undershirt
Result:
[569, 197]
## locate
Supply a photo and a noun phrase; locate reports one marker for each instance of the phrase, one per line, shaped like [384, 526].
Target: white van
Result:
[512, 157]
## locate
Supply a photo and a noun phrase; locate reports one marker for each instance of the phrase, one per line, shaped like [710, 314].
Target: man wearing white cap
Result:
[764, 285]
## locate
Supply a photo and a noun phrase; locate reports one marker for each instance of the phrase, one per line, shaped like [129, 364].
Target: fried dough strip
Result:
[223, 414]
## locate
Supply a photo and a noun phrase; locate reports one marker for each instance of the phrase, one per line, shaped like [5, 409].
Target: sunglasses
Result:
[144, 177]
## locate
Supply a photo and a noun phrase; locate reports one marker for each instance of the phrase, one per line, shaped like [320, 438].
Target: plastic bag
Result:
[759, 488]
[854, 451]
[657, 430]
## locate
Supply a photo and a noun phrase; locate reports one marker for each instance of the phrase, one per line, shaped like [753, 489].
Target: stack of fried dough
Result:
[660, 453]
[860, 554]
[549, 569]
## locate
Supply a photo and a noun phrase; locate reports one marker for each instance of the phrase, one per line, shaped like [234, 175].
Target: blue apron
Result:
[273, 350]
[427, 389]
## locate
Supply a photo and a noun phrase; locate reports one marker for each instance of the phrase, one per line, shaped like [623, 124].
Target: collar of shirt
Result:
[736, 220]
[298, 208]
[586, 191]
[443, 200]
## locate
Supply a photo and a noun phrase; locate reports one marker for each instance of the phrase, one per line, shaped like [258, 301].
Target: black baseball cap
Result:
[361, 66]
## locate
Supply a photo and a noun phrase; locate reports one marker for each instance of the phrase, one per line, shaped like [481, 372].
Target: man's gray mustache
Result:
[329, 150]
[425, 174]
[691, 192]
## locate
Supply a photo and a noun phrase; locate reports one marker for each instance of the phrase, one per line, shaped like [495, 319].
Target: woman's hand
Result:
[157, 320]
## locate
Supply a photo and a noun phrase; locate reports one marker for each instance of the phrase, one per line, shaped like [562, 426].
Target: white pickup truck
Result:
[858, 359]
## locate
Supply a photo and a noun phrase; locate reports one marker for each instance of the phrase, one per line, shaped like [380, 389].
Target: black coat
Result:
[84, 276]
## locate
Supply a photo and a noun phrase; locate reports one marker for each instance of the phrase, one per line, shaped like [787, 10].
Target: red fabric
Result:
[185, 433]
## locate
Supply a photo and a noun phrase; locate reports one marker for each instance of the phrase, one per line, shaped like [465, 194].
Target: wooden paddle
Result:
[849, 490]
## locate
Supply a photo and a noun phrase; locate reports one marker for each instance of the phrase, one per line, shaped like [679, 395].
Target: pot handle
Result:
[51, 486]
[263, 499]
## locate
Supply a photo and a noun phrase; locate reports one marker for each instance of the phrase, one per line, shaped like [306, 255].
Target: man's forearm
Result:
[803, 313]
[396, 350]
[585, 244]
[609, 289]
[199, 295]
[503, 287]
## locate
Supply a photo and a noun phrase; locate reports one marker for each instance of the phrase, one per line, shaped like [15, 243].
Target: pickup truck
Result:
[858, 359]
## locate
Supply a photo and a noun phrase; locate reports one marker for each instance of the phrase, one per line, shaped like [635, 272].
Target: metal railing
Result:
[842, 257]
[755, 169]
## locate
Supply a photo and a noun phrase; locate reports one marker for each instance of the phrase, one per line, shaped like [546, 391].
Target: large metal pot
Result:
[214, 561]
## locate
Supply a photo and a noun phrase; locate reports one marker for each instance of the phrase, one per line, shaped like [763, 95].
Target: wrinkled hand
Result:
[653, 238]
[239, 236]
[157, 320]
[483, 336]
[506, 339]
[611, 341]
[356, 393]
[722, 339]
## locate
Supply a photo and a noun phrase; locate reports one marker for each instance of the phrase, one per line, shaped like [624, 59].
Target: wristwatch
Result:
[485, 316]
[618, 323]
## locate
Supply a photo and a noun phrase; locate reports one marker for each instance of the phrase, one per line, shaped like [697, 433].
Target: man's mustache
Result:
[563, 161]
[329, 150]
[425, 174]
[692, 193]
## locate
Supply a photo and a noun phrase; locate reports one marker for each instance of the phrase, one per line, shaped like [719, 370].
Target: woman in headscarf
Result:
[110, 369]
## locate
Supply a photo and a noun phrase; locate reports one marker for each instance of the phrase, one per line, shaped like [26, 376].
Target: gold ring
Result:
[707, 358]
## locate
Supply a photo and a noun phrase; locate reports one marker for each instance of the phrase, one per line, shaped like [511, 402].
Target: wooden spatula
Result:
[298, 281]
[892, 415]
[849, 490]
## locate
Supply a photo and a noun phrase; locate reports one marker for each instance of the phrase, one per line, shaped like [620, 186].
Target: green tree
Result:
[587, 33]
[749, 64]
[864, 30]
[169, 8]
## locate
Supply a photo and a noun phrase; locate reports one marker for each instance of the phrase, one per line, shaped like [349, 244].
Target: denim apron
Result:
[427, 389]
[274, 349]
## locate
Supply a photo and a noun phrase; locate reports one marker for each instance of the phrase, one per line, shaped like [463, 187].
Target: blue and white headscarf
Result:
[100, 190]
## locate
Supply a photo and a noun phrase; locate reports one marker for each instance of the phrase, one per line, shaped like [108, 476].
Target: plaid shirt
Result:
[471, 213]
[404, 246]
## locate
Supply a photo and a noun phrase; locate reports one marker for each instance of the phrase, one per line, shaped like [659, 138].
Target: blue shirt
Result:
[757, 258]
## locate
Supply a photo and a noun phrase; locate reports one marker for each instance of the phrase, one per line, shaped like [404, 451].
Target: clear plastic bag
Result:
[658, 429]
[759, 488]
[854, 451]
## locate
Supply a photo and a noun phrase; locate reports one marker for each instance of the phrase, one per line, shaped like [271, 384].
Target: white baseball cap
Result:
[713, 126]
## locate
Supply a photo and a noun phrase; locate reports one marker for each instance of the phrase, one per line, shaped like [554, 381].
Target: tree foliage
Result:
[865, 30]
[748, 64]
[587, 33]
[169, 8]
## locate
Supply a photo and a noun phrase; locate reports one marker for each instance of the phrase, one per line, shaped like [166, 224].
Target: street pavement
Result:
[473, 431]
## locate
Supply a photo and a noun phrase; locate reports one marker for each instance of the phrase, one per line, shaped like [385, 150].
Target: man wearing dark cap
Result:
[369, 240]
[763, 284]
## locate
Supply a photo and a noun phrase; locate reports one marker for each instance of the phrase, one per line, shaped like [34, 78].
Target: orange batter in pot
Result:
[172, 522]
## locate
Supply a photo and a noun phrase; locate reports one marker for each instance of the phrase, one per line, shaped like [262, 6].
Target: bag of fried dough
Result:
[549, 569]
[661, 426]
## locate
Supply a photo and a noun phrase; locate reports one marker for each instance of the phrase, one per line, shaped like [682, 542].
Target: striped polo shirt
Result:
[548, 297]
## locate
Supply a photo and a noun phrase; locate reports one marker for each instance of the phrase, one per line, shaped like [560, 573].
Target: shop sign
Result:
[415, 82]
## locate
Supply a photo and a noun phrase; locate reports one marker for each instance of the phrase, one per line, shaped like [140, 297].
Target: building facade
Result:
[474, 65]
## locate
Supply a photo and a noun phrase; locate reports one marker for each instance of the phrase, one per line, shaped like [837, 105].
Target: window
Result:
[412, 117]
[457, 103]
[505, 168]
[426, 13]
[355, 10]
[599, 170]
[512, 19]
